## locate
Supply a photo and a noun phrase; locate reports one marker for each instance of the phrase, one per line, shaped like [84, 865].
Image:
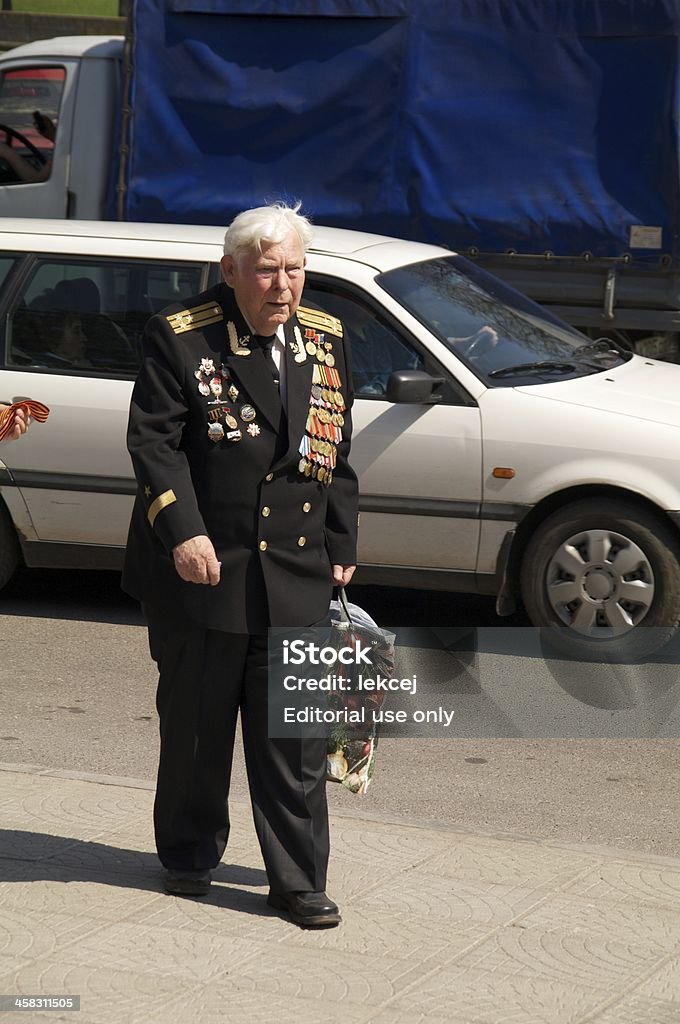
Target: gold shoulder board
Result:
[196, 318]
[319, 321]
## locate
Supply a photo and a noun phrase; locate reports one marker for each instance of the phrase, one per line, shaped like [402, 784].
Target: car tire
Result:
[604, 577]
[10, 553]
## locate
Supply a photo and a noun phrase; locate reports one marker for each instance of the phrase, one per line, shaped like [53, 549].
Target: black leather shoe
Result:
[182, 882]
[308, 909]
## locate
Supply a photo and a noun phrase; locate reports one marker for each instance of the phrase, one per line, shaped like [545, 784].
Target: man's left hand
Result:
[342, 574]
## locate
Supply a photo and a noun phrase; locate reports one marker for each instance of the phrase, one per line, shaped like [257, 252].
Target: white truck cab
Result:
[76, 81]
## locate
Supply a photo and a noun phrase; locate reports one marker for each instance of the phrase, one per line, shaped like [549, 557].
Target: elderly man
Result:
[245, 518]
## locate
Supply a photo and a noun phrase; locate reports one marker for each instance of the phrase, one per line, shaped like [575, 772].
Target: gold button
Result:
[302, 541]
[263, 545]
[269, 477]
[307, 506]
[266, 511]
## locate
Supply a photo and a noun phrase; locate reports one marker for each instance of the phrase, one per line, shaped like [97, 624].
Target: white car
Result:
[498, 450]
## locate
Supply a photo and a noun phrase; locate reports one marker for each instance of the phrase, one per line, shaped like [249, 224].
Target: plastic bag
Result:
[352, 747]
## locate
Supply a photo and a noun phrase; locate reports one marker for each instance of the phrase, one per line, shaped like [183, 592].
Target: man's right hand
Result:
[196, 561]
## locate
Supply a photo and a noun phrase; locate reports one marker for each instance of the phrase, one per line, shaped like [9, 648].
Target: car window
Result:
[377, 348]
[85, 316]
[497, 332]
[6, 264]
[30, 99]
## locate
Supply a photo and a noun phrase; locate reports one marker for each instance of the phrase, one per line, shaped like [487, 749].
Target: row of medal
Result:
[213, 382]
[323, 430]
[317, 346]
[216, 431]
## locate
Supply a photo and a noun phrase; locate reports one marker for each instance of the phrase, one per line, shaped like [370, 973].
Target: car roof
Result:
[69, 46]
[379, 251]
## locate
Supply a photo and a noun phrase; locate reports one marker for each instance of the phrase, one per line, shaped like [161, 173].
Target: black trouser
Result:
[205, 677]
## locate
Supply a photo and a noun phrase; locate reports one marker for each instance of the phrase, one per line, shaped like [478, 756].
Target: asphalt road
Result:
[77, 692]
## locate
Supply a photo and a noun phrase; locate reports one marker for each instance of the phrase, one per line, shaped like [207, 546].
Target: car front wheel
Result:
[605, 576]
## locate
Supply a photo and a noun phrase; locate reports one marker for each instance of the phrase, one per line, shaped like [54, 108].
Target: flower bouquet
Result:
[353, 742]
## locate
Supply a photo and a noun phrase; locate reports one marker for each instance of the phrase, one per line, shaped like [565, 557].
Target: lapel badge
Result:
[207, 366]
[215, 432]
[230, 420]
[203, 388]
[297, 347]
[233, 392]
[216, 386]
[253, 429]
[238, 346]
[247, 413]
[234, 435]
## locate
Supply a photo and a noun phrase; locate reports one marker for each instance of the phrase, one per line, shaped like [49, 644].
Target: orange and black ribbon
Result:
[36, 410]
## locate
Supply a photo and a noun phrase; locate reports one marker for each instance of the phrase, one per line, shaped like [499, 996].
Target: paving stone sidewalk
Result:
[440, 925]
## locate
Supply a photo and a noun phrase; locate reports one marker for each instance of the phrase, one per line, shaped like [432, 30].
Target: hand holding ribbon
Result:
[8, 417]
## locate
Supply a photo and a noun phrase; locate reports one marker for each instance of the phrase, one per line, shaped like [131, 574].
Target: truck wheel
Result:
[10, 553]
[605, 577]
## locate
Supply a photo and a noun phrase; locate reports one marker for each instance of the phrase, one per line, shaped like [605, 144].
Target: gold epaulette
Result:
[319, 321]
[196, 318]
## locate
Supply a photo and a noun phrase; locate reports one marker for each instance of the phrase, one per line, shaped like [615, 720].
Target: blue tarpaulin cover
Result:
[522, 124]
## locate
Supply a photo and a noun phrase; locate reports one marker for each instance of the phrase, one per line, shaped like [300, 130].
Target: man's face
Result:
[267, 285]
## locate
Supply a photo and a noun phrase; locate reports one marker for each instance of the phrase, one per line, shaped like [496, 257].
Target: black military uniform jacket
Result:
[210, 458]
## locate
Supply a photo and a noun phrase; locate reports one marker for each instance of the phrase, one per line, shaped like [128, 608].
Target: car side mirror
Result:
[413, 387]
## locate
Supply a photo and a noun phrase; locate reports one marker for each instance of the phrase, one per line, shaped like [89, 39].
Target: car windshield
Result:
[500, 334]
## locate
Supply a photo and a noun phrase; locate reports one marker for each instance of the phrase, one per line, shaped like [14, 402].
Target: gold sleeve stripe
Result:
[161, 502]
[319, 320]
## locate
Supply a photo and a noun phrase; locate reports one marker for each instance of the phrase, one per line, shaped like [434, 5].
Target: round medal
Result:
[330, 359]
[311, 348]
[321, 355]
[248, 414]
[302, 465]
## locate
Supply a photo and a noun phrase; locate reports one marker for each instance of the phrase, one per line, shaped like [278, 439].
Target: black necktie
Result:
[266, 343]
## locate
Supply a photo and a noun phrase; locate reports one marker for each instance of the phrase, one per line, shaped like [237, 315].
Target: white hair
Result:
[272, 223]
